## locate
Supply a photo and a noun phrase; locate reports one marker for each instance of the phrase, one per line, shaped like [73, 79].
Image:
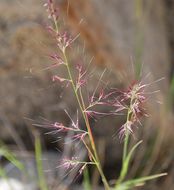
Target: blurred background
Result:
[128, 37]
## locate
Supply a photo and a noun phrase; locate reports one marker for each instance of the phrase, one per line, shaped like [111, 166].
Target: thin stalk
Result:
[82, 108]
[125, 150]
[98, 164]
[54, 19]
[89, 151]
[38, 155]
[126, 140]
[87, 123]
[129, 113]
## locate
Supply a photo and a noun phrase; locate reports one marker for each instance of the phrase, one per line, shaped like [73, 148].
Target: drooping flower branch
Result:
[133, 100]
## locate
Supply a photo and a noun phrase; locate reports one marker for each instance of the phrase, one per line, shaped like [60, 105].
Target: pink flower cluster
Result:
[52, 10]
[132, 101]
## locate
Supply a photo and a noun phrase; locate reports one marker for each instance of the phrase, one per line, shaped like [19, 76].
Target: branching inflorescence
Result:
[130, 102]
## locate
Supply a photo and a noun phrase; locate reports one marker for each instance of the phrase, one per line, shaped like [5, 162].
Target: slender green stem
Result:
[89, 151]
[129, 113]
[125, 150]
[82, 108]
[98, 166]
[80, 104]
[38, 155]
[126, 140]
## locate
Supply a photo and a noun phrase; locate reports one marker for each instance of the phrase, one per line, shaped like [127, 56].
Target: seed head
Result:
[133, 100]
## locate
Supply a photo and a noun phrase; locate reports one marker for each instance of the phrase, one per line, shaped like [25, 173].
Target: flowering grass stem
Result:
[80, 101]
[82, 108]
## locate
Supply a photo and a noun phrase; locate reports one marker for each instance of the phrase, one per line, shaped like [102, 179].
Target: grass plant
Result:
[130, 102]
